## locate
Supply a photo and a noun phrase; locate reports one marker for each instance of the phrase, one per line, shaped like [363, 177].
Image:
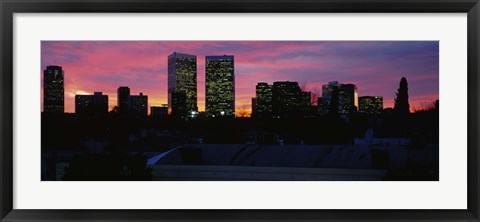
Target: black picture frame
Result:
[9, 7]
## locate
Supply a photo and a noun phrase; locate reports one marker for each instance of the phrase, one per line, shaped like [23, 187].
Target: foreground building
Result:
[53, 90]
[264, 162]
[219, 86]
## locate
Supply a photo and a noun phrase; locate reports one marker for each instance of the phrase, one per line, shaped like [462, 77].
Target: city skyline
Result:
[92, 66]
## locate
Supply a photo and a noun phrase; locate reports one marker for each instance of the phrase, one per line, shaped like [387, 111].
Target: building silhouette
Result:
[327, 91]
[370, 104]
[182, 78]
[262, 104]
[123, 92]
[281, 99]
[347, 97]
[53, 90]
[91, 105]
[159, 112]
[323, 105]
[288, 100]
[219, 86]
[254, 107]
[138, 105]
[179, 105]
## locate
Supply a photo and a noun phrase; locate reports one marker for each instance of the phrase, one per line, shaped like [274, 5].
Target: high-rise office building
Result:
[282, 99]
[327, 91]
[53, 90]
[182, 78]
[347, 97]
[263, 100]
[91, 105]
[219, 86]
[138, 105]
[370, 104]
[288, 100]
[123, 92]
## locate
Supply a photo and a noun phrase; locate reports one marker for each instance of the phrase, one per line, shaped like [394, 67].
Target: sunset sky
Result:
[376, 67]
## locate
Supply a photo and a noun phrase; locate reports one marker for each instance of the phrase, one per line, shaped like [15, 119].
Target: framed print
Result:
[258, 111]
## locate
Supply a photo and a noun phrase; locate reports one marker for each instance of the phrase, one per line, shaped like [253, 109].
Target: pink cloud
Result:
[375, 67]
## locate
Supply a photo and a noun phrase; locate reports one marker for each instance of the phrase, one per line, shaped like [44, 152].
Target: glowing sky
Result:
[376, 67]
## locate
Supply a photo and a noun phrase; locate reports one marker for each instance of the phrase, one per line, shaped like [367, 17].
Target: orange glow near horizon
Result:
[103, 66]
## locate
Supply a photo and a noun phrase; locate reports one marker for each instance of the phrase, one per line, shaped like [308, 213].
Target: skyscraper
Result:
[123, 92]
[347, 97]
[263, 100]
[282, 99]
[91, 105]
[182, 78]
[288, 100]
[327, 91]
[138, 105]
[219, 86]
[370, 104]
[53, 90]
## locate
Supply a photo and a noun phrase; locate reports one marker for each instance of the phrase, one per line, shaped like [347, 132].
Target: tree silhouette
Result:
[243, 111]
[315, 93]
[402, 107]
[401, 111]
[115, 110]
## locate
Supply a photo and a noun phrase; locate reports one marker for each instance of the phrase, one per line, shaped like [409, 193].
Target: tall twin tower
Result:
[219, 85]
